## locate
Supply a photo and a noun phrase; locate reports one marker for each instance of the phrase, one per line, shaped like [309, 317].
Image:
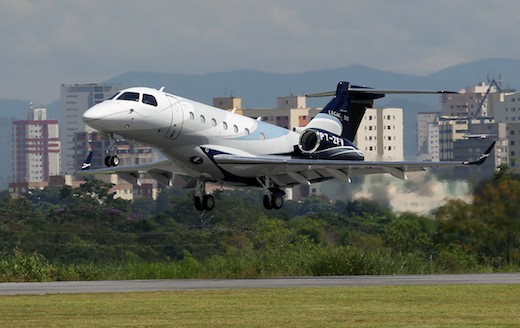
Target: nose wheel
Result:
[111, 159]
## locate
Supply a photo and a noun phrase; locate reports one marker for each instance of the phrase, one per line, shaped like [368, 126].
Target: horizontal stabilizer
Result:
[356, 89]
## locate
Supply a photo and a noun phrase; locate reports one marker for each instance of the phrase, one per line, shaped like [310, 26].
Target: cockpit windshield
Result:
[133, 96]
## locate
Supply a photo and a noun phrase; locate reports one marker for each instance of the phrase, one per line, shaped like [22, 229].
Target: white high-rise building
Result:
[291, 112]
[380, 134]
[506, 109]
[468, 102]
[36, 147]
[75, 100]
[428, 136]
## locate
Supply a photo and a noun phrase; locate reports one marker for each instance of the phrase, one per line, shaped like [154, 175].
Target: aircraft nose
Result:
[90, 115]
[94, 113]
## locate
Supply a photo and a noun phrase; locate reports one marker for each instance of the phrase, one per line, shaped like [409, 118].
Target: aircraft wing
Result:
[289, 171]
[163, 171]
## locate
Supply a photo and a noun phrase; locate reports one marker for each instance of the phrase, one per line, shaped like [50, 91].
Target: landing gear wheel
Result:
[198, 203]
[267, 202]
[276, 202]
[208, 202]
[114, 161]
[111, 161]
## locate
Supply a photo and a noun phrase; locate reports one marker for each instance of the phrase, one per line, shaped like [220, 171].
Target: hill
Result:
[259, 89]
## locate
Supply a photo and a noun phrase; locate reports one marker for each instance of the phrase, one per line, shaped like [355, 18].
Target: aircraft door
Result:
[177, 117]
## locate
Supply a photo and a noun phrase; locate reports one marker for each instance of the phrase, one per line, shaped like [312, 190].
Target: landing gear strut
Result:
[111, 159]
[273, 196]
[201, 200]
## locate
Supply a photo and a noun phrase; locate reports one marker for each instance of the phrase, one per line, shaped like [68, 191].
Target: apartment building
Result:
[380, 134]
[36, 147]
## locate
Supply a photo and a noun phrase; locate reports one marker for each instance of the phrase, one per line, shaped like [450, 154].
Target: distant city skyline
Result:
[46, 44]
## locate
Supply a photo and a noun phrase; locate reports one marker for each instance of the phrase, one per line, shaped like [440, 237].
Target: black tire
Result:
[208, 202]
[197, 203]
[267, 202]
[108, 161]
[114, 161]
[277, 202]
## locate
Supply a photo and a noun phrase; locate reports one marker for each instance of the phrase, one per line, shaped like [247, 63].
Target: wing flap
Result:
[163, 172]
[288, 171]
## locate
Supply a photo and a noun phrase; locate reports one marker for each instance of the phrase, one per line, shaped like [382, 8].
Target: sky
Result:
[47, 43]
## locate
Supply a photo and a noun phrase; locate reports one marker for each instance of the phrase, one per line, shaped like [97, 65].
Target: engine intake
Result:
[321, 144]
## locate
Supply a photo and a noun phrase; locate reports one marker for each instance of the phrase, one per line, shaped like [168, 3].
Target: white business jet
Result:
[205, 144]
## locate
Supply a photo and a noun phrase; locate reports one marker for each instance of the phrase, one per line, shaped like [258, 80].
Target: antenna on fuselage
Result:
[161, 89]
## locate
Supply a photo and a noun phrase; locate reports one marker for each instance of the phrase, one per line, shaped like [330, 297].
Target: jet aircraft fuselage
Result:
[208, 144]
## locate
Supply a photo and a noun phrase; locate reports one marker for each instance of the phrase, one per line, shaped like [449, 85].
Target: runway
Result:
[122, 286]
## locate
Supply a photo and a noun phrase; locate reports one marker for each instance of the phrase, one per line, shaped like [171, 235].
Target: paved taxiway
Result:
[120, 286]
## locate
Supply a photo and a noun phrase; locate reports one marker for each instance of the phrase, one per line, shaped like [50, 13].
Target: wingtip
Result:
[482, 157]
[490, 148]
[87, 164]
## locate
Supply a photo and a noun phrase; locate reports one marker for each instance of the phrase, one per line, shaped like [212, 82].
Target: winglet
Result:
[482, 157]
[87, 163]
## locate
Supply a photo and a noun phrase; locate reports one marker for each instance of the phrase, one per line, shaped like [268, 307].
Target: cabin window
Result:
[202, 119]
[132, 96]
[149, 100]
[214, 122]
[247, 131]
[235, 128]
[224, 124]
[192, 116]
[262, 136]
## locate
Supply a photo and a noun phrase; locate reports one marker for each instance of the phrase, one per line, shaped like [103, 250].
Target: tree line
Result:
[82, 231]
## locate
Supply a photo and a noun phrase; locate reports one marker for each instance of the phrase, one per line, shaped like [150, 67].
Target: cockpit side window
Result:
[149, 99]
[133, 96]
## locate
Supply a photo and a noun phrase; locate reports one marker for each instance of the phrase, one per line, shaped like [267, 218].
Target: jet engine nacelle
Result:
[317, 143]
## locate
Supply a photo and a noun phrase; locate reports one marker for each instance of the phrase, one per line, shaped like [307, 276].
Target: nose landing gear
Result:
[111, 159]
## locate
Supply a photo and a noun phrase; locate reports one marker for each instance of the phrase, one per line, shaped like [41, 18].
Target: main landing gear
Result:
[201, 200]
[273, 196]
[111, 159]
[273, 199]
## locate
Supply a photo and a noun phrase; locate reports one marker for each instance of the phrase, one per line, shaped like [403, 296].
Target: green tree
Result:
[409, 234]
[459, 224]
[498, 204]
[315, 230]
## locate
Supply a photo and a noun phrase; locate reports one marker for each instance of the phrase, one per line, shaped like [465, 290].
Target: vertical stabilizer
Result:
[343, 114]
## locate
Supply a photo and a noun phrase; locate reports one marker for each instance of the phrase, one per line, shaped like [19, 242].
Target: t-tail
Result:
[330, 134]
[343, 114]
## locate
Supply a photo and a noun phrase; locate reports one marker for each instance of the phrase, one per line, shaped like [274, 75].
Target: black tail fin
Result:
[343, 114]
[87, 163]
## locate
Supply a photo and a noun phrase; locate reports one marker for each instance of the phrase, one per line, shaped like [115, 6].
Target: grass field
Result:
[410, 306]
